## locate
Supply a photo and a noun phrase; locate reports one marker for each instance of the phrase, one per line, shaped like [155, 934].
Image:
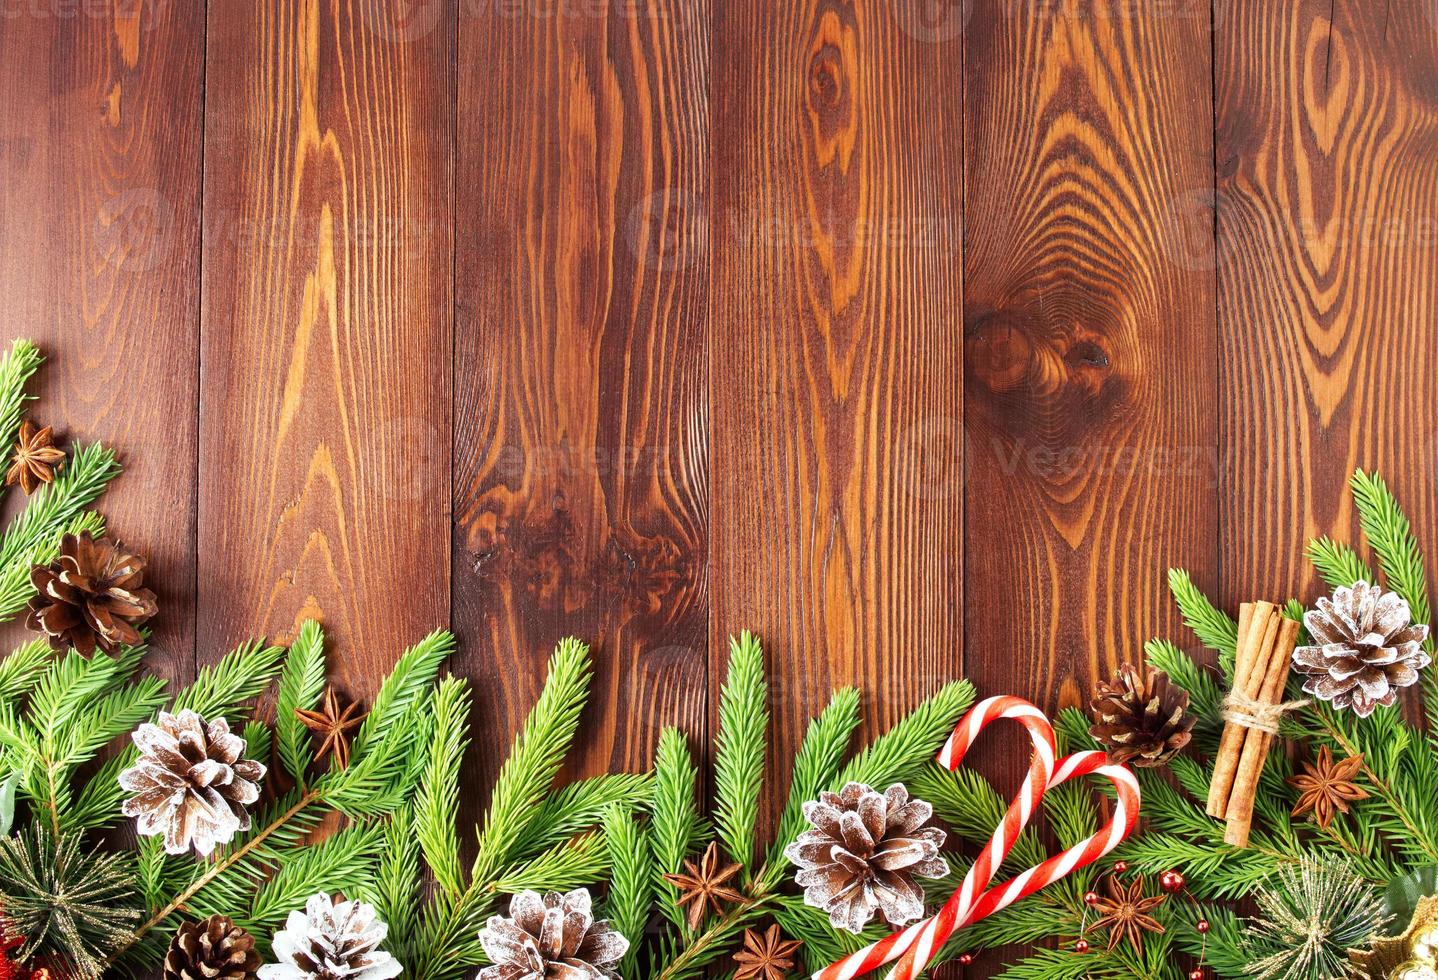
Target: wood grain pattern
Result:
[1090, 337]
[325, 413]
[99, 259]
[1327, 150]
[919, 338]
[581, 497]
[836, 354]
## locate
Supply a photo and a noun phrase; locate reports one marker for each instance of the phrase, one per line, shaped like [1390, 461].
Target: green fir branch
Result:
[1339, 564]
[534, 761]
[820, 755]
[580, 806]
[302, 681]
[631, 880]
[17, 367]
[437, 801]
[739, 748]
[1391, 536]
[902, 752]
[1214, 628]
[676, 827]
[33, 537]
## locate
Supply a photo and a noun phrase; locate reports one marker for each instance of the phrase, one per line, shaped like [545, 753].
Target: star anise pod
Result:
[1124, 913]
[35, 458]
[333, 726]
[705, 885]
[1325, 787]
[766, 956]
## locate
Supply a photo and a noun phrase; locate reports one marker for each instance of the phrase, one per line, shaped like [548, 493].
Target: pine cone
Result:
[1142, 723]
[212, 949]
[864, 853]
[89, 596]
[1368, 647]
[332, 940]
[552, 936]
[190, 783]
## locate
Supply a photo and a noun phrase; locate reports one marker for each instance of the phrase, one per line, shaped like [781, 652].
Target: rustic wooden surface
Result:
[919, 337]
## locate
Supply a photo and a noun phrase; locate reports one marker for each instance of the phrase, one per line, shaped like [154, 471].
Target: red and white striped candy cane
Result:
[916, 945]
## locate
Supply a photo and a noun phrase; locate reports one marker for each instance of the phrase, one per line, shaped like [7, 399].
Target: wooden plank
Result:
[1327, 151]
[836, 354]
[580, 449]
[325, 428]
[1090, 339]
[99, 259]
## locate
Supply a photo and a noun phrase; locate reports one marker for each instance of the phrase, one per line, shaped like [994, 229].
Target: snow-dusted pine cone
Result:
[1367, 648]
[554, 936]
[864, 853]
[332, 940]
[190, 782]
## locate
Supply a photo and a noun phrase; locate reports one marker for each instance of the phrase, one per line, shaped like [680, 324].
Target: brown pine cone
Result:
[212, 949]
[90, 595]
[1141, 722]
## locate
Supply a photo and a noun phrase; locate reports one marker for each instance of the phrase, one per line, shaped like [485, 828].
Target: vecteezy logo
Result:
[668, 230]
[933, 451]
[1187, 229]
[133, 230]
[934, 21]
[402, 20]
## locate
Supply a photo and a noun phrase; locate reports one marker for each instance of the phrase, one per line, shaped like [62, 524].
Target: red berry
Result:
[1090, 898]
[1171, 882]
[1202, 925]
[1081, 946]
[965, 959]
[1119, 867]
[1195, 974]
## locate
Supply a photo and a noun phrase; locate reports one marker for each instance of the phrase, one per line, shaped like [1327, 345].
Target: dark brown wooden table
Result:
[920, 337]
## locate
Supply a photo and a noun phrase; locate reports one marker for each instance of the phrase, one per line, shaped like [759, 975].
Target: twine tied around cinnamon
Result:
[1259, 716]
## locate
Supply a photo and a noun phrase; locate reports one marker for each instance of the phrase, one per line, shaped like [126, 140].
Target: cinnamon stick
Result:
[1256, 745]
[1246, 681]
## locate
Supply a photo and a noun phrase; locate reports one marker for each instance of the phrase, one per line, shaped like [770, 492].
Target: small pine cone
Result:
[332, 940]
[212, 949]
[190, 782]
[864, 853]
[1141, 722]
[90, 595]
[1367, 648]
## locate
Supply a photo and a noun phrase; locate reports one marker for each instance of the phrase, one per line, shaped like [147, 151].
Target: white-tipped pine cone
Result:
[190, 782]
[1367, 648]
[332, 940]
[864, 853]
[553, 937]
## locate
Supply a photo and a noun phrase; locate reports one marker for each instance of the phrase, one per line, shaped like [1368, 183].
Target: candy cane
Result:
[916, 945]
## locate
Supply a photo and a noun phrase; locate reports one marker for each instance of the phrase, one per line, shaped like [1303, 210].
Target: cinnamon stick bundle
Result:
[1266, 639]
[1253, 622]
[1257, 742]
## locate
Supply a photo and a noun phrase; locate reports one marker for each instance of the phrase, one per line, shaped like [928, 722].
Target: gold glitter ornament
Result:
[1411, 955]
